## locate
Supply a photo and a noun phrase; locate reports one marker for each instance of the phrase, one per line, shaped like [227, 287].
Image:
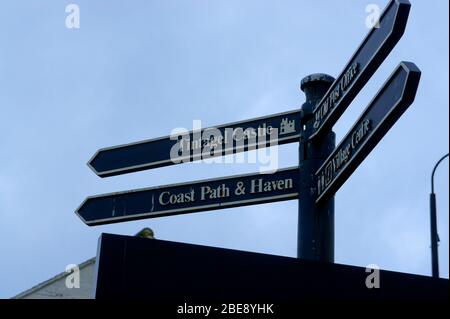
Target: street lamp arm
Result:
[434, 170]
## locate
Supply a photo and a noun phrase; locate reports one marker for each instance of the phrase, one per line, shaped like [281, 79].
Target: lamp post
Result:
[433, 224]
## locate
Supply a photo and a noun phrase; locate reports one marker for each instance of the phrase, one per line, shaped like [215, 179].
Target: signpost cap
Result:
[316, 77]
[315, 86]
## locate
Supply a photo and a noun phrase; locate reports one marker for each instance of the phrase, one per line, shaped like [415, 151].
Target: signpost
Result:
[322, 168]
[377, 45]
[190, 197]
[228, 138]
[396, 95]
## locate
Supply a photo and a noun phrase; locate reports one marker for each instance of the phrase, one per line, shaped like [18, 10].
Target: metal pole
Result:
[433, 225]
[315, 223]
[434, 237]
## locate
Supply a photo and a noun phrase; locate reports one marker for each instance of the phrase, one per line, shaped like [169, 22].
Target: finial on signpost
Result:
[315, 86]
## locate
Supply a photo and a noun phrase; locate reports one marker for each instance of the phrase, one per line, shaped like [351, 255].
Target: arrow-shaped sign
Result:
[396, 95]
[371, 53]
[190, 197]
[196, 145]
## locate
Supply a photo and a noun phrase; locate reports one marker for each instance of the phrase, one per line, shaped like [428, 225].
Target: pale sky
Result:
[135, 70]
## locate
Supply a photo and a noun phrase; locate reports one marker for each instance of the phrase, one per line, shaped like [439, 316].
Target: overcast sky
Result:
[135, 70]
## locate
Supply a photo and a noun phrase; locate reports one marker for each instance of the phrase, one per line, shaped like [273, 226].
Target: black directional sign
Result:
[377, 45]
[396, 95]
[190, 197]
[195, 145]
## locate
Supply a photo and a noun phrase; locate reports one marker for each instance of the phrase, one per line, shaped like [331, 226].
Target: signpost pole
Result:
[315, 222]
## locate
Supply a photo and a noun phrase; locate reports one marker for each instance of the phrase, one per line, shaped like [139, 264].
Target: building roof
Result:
[52, 280]
[146, 232]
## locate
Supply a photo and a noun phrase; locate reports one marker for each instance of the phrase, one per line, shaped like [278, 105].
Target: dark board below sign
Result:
[162, 271]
